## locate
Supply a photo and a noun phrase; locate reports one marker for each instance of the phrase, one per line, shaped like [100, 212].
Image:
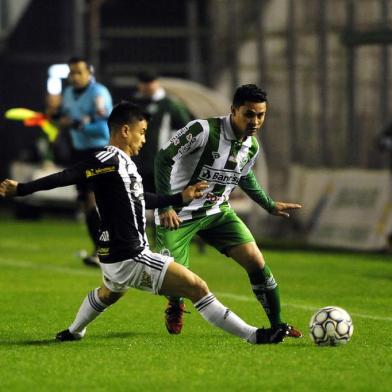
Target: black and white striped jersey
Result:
[120, 199]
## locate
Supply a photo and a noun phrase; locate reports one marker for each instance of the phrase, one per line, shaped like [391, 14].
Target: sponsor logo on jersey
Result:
[136, 189]
[102, 170]
[223, 177]
[176, 138]
[243, 162]
[187, 146]
[205, 174]
[216, 198]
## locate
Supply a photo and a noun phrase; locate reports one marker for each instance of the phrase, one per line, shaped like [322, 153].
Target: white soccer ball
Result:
[331, 326]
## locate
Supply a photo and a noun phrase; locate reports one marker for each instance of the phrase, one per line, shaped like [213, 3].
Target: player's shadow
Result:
[48, 342]
[28, 342]
[120, 335]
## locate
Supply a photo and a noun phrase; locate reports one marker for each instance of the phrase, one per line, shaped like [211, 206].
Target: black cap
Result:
[147, 76]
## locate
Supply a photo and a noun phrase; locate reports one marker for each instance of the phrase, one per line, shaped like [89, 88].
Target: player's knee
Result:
[108, 297]
[199, 289]
[254, 260]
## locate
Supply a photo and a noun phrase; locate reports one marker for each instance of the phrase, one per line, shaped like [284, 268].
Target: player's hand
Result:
[169, 219]
[281, 208]
[8, 188]
[194, 191]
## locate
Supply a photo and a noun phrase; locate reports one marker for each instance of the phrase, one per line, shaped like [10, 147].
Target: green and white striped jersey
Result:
[207, 150]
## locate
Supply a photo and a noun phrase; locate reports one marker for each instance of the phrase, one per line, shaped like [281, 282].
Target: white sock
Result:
[220, 316]
[90, 309]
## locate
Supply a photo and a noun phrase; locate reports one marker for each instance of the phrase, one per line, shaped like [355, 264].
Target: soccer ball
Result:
[331, 326]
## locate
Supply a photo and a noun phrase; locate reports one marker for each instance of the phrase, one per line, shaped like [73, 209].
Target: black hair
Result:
[80, 59]
[126, 113]
[147, 76]
[248, 93]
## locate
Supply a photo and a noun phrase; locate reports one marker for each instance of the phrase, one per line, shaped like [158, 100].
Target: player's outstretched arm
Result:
[281, 208]
[8, 188]
[70, 176]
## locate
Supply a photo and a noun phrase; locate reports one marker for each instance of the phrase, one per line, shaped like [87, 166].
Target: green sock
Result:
[267, 292]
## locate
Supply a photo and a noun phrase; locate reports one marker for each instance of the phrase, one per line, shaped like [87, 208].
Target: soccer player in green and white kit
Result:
[221, 151]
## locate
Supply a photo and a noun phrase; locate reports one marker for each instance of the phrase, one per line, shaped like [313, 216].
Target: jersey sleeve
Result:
[90, 169]
[69, 176]
[184, 142]
[154, 200]
[252, 188]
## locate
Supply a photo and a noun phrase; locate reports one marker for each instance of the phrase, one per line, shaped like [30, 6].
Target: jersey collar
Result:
[229, 132]
[228, 129]
[121, 152]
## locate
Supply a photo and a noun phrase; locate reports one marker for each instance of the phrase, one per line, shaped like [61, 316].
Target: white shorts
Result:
[144, 272]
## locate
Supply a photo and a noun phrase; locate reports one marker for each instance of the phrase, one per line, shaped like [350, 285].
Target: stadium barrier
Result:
[349, 208]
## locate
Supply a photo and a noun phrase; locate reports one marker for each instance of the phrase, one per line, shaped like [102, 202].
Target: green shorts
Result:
[222, 230]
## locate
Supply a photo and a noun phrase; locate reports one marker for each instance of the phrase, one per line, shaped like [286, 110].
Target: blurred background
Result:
[326, 65]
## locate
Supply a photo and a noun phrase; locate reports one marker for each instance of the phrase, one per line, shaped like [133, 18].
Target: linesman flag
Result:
[31, 118]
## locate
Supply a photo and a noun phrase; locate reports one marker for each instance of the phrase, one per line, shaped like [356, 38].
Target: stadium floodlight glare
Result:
[56, 72]
[53, 86]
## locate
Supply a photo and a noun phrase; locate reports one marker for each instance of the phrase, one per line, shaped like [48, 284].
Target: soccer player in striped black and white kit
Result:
[125, 258]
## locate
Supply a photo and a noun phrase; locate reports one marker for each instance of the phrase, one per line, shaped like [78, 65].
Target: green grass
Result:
[42, 284]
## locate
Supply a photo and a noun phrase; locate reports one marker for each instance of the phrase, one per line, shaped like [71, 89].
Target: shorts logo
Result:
[146, 280]
[103, 251]
[223, 177]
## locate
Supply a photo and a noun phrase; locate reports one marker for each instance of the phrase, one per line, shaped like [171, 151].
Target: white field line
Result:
[47, 267]
[244, 298]
[241, 298]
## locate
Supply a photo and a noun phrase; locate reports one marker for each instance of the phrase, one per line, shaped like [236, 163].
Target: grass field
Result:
[127, 349]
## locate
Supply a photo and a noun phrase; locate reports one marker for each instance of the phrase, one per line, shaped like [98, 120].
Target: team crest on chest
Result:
[243, 162]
